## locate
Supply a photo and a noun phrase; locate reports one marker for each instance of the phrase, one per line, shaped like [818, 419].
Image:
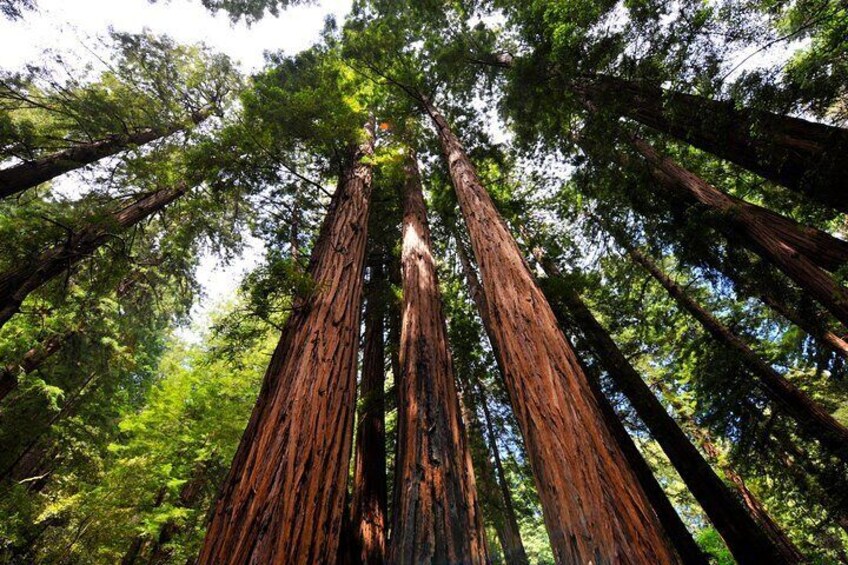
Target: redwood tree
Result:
[805, 156]
[437, 519]
[777, 239]
[745, 538]
[368, 504]
[28, 174]
[593, 505]
[284, 497]
[17, 283]
[809, 415]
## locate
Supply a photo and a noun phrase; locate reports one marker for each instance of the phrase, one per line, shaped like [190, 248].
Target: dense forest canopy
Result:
[534, 281]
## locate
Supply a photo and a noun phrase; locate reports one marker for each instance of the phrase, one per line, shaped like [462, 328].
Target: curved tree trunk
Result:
[804, 156]
[811, 417]
[284, 497]
[368, 506]
[744, 536]
[594, 507]
[26, 175]
[16, 284]
[437, 519]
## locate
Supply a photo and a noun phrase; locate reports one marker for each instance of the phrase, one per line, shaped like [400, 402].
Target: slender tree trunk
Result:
[17, 470]
[16, 284]
[753, 506]
[369, 478]
[745, 538]
[765, 234]
[751, 277]
[513, 546]
[284, 497]
[437, 519]
[31, 361]
[804, 156]
[811, 417]
[26, 175]
[488, 493]
[593, 505]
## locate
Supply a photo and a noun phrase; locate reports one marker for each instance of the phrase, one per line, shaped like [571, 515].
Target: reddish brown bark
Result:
[811, 417]
[748, 220]
[509, 533]
[368, 506]
[16, 284]
[770, 237]
[744, 536]
[32, 173]
[31, 361]
[437, 519]
[594, 507]
[284, 497]
[804, 156]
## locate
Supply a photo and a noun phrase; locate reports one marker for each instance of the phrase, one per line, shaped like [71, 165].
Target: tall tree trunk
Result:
[753, 278]
[811, 417]
[16, 284]
[26, 175]
[368, 506]
[437, 519]
[752, 504]
[771, 236]
[488, 492]
[804, 156]
[744, 536]
[511, 541]
[819, 247]
[593, 505]
[284, 497]
[31, 361]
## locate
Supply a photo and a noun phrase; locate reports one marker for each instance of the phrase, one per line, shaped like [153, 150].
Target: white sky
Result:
[71, 28]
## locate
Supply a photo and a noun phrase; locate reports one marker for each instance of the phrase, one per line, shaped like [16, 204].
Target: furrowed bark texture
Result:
[689, 551]
[811, 417]
[368, 506]
[509, 534]
[773, 237]
[744, 537]
[437, 519]
[32, 173]
[32, 360]
[593, 505]
[804, 156]
[17, 284]
[284, 497]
